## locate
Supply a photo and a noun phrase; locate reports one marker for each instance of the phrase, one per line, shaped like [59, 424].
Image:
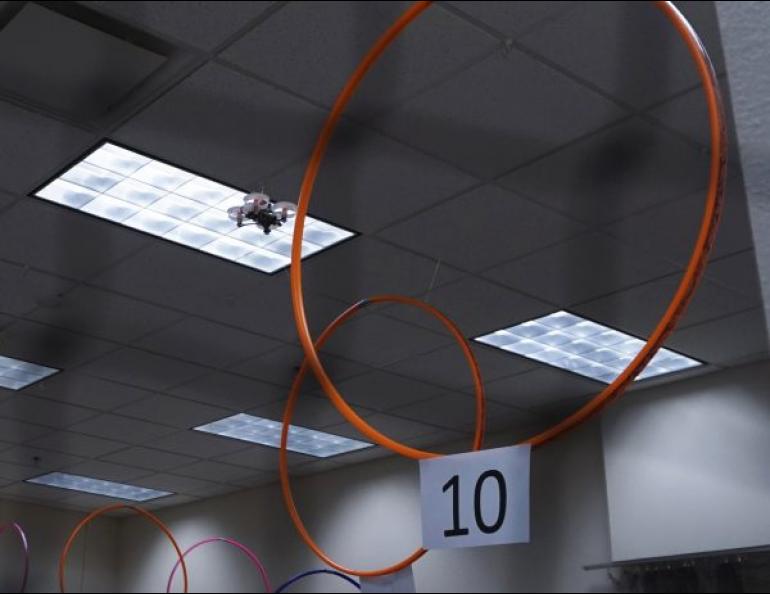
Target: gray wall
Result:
[687, 465]
[367, 516]
[685, 471]
[47, 529]
[743, 29]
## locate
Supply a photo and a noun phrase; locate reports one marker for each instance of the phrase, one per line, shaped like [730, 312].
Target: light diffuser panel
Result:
[122, 186]
[268, 433]
[581, 346]
[84, 484]
[16, 374]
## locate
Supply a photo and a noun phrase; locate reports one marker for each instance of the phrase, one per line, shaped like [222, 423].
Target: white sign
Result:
[401, 581]
[475, 499]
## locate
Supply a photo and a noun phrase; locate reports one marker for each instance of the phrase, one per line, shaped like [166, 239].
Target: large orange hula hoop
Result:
[104, 510]
[478, 438]
[666, 325]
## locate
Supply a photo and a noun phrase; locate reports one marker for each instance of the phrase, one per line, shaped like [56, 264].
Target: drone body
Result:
[260, 210]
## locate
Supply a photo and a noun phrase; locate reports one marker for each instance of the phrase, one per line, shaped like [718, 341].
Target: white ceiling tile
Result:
[613, 173]
[729, 340]
[540, 386]
[105, 315]
[28, 492]
[195, 282]
[83, 390]
[150, 459]
[629, 49]
[214, 471]
[15, 431]
[77, 444]
[230, 391]
[482, 228]
[312, 47]
[195, 443]
[669, 230]
[172, 501]
[6, 199]
[475, 306]
[637, 310]
[259, 479]
[361, 456]
[65, 72]
[263, 459]
[379, 341]
[29, 409]
[381, 391]
[452, 411]
[579, 269]
[511, 19]
[737, 272]
[394, 427]
[315, 412]
[208, 343]
[201, 24]
[55, 239]
[42, 460]
[174, 483]
[122, 428]
[175, 412]
[40, 146]
[23, 289]
[484, 120]
[365, 267]
[222, 124]
[107, 471]
[688, 114]
[14, 472]
[142, 369]
[367, 181]
[447, 367]
[281, 365]
[49, 346]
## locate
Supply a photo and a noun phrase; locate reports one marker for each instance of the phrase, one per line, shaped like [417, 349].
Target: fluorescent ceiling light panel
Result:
[84, 484]
[15, 374]
[581, 346]
[268, 433]
[125, 187]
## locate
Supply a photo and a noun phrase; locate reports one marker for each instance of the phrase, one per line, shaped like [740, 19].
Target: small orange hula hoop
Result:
[666, 325]
[478, 438]
[104, 510]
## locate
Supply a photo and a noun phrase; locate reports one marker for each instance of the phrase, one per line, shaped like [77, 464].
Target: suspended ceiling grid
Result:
[504, 160]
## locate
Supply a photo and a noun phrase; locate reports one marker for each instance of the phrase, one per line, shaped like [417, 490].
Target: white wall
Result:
[47, 529]
[687, 465]
[367, 516]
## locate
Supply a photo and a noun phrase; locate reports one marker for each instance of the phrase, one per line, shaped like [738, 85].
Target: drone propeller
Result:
[262, 211]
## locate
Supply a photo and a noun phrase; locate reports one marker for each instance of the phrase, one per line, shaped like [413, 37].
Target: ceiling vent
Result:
[57, 63]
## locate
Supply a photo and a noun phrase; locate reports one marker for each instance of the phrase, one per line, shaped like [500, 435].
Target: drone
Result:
[259, 209]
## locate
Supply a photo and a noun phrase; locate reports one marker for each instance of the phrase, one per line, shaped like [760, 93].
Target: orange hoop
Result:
[665, 326]
[478, 438]
[99, 512]
[667, 323]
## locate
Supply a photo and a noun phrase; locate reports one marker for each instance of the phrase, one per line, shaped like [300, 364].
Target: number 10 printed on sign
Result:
[476, 499]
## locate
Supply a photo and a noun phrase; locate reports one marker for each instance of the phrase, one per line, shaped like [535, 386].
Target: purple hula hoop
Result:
[305, 574]
[25, 545]
[243, 548]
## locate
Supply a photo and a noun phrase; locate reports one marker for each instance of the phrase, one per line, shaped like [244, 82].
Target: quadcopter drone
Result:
[259, 209]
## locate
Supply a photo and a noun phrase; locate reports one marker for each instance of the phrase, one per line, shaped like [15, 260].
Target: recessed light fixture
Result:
[581, 346]
[140, 192]
[15, 374]
[84, 484]
[268, 433]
